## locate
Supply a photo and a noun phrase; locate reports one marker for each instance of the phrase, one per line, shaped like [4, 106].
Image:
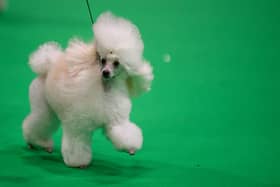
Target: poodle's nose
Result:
[106, 74]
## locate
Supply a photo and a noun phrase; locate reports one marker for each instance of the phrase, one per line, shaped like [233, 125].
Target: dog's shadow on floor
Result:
[103, 169]
[108, 170]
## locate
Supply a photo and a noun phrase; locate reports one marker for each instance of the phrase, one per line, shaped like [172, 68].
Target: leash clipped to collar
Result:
[90, 13]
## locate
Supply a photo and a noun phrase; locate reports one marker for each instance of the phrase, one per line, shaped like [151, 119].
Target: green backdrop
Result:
[211, 119]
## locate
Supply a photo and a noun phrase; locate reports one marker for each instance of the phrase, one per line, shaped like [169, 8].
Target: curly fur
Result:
[70, 87]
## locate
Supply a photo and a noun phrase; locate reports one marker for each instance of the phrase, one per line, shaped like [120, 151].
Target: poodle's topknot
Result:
[119, 36]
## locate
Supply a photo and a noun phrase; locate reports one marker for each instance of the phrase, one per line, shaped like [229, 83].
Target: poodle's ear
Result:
[140, 81]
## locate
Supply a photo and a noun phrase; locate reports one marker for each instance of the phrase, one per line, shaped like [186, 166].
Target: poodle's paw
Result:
[77, 164]
[49, 149]
[131, 152]
[126, 137]
[83, 166]
[77, 158]
[33, 147]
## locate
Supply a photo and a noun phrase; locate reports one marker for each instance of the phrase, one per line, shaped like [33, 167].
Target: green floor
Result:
[212, 118]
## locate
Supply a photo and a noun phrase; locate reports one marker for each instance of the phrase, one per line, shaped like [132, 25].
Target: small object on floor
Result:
[166, 58]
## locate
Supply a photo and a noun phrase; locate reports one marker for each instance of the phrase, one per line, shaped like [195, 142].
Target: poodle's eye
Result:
[103, 61]
[116, 64]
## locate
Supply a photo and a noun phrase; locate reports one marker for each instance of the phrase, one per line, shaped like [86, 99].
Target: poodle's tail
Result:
[42, 59]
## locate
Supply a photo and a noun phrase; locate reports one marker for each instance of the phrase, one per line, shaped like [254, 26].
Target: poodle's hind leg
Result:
[41, 123]
[76, 142]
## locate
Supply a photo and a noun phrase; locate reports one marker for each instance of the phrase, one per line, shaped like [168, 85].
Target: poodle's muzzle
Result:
[110, 66]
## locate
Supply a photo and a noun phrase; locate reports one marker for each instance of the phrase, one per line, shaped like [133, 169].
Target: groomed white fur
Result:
[123, 136]
[119, 36]
[70, 87]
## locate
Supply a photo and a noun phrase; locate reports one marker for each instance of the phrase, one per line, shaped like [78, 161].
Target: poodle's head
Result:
[119, 45]
[110, 66]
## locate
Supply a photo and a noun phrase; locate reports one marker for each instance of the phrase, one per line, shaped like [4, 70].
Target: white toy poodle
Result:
[88, 86]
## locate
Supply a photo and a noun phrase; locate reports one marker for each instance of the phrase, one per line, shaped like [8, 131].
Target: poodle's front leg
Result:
[126, 136]
[76, 144]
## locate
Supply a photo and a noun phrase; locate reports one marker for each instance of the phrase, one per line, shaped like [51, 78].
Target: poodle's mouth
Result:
[109, 78]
